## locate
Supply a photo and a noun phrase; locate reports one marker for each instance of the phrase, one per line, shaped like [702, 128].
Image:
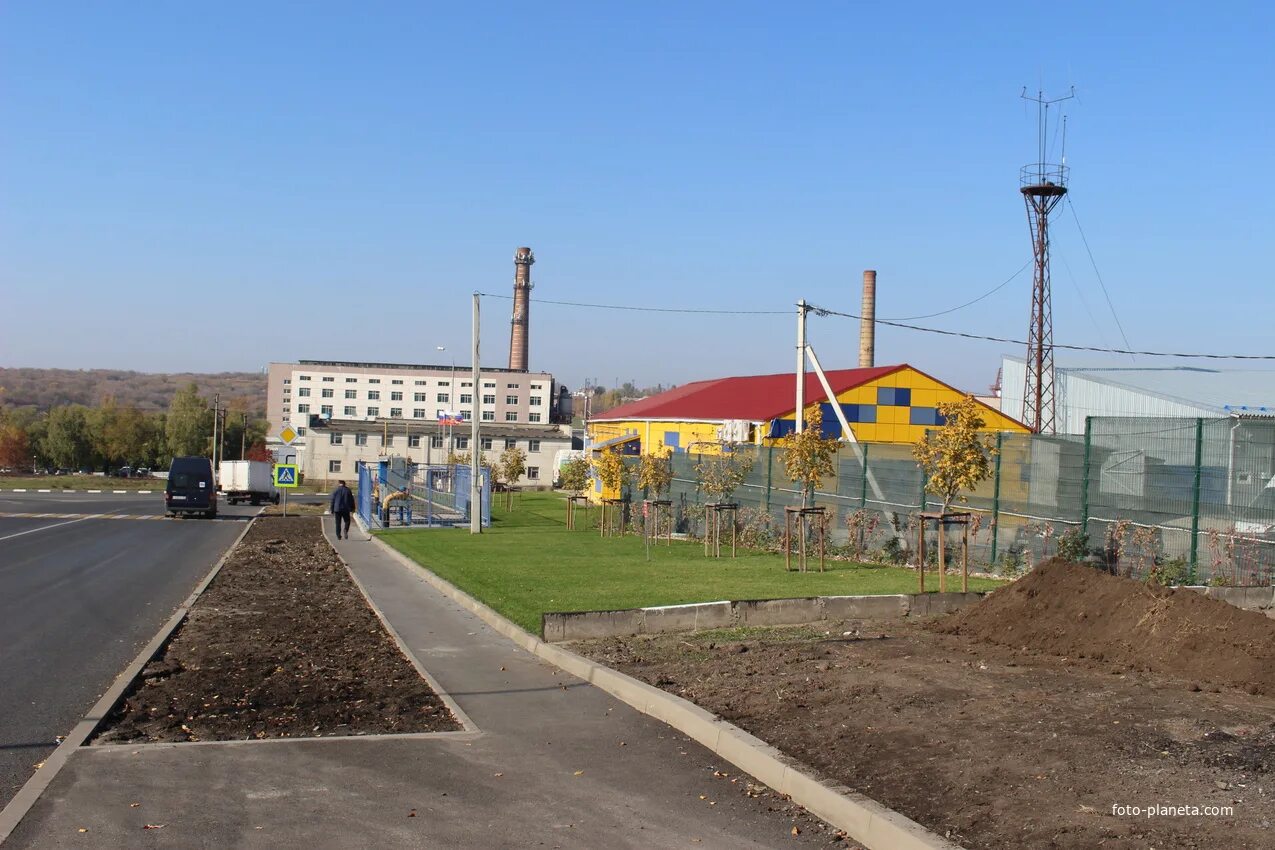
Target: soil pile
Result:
[281, 645]
[1076, 611]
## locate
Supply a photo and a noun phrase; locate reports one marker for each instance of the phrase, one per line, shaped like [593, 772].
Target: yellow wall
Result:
[893, 422]
[687, 433]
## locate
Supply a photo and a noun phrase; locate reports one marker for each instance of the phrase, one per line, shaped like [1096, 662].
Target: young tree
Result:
[611, 471]
[721, 474]
[513, 463]
[809, 456]
[574, 476]
[189, 423]
[955, 457]
[655, 474]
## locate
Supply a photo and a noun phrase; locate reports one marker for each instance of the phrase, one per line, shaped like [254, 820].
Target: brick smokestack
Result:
[868, 324]
[519, 334]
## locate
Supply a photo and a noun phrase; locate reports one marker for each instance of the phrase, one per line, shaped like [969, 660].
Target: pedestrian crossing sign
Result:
[285, 475]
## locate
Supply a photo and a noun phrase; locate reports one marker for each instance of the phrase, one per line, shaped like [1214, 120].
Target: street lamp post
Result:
[451, 405]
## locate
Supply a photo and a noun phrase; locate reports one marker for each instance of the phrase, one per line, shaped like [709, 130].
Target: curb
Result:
[862, 818]
[462, 718]
[17, 809]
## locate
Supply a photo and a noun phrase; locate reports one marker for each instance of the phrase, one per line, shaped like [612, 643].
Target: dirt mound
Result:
[1076, 611]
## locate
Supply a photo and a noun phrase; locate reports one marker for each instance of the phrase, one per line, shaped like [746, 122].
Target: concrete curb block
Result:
[462, 718]
[585, 625]
[863, 819]
[1261, 599]
[27, 796]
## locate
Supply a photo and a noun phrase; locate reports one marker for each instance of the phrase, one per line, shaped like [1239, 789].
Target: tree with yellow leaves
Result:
[956, 456]
[611, 471]
[809, 456]
[655, 474]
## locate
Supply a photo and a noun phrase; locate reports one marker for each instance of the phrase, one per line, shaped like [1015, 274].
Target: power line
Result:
[822, 311]
[710, 311]
[647, 309]
[990, 292]
[1071, 205]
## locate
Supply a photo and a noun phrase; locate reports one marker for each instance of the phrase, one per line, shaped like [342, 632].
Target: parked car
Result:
[191, 487]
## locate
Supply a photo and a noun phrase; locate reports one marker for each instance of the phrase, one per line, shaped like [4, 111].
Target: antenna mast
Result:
[1042, 185]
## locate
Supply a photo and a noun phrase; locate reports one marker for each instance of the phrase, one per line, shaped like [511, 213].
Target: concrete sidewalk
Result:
[552, 762]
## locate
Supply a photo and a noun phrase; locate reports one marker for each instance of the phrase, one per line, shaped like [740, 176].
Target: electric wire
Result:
[990, 292]
[823, 311]
[1083, 301]
[646, 309]
[1072, 206]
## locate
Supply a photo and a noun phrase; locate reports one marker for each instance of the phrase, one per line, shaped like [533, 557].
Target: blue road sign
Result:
[285, 475]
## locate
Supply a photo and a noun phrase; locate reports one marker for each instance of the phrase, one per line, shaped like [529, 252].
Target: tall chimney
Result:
[868, 324]
[519, 336]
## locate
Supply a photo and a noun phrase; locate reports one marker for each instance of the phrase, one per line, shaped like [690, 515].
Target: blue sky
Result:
[211, 189]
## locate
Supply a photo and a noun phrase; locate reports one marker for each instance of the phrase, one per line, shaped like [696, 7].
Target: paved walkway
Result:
[553, 762]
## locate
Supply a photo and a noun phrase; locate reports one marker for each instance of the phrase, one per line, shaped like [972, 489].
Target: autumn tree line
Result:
[108, 436]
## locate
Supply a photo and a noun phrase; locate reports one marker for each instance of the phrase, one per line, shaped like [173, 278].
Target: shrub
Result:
[1168, 572]
[893, 552]
[1073, 544]
[757, 529]
[1013, 561]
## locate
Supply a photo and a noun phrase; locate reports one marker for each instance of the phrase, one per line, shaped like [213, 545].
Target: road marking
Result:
[44, 491]
[43, 528]
[77, 517]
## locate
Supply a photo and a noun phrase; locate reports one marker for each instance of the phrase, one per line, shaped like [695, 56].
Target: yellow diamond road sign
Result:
[288, 434]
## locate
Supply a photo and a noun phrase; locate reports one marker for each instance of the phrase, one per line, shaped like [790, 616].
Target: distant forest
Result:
[44, 389]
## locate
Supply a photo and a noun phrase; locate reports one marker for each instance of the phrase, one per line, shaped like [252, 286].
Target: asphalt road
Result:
[82, 589]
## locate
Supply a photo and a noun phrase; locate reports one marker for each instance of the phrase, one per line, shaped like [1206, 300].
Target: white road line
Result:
[44, 528]
[23, 490]
[44, 491]
[94, 491]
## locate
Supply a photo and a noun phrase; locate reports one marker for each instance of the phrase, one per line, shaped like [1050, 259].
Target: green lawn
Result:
[78, 482]
[527, 563]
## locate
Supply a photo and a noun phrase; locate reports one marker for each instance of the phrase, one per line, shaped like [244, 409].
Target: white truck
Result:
[247, 481]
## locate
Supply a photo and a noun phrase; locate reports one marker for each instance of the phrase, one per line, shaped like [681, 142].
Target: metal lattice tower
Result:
[1043, 185]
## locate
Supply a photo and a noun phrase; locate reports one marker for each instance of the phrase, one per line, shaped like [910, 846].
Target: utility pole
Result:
[801, 364]
[216, 416]
[243, 438]
[475, 462]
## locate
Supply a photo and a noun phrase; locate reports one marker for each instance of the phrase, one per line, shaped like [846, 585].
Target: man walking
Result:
[342, 507]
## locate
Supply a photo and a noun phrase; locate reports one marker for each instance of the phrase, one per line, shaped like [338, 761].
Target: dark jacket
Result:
[342, 500]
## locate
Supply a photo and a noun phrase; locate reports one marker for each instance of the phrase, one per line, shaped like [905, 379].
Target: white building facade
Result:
[335, 446]
[330, 389]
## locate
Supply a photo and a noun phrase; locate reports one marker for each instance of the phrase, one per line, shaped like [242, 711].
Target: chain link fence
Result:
[1189, 500]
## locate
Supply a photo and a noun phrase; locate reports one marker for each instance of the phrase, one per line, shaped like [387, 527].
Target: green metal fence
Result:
[1188, 498]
